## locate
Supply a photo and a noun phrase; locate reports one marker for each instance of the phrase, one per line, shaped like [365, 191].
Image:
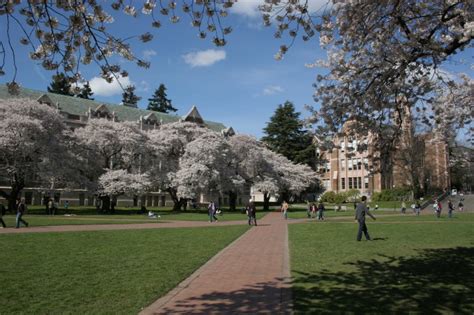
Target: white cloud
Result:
[249, 8]
[100, 87]
[204, 58]
[147, 54]
[143, 86]
[272, 89]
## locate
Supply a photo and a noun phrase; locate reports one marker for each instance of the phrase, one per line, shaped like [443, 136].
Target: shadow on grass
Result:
[260, 298]
[437, 281]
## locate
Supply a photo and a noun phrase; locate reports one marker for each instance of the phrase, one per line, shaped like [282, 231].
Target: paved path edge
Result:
[287, 293]
[186, 282]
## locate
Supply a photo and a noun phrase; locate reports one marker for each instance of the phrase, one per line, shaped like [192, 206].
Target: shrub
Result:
[395, 194]
[328, 196]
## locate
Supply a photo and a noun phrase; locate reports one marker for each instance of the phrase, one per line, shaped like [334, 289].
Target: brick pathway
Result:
[252, 275]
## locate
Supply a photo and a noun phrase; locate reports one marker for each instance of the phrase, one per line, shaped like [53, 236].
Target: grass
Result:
[112, 272]
[43, 220]
[415, 264]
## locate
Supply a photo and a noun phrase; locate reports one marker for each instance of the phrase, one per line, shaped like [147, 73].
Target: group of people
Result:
[438, 208]
[20, 211]
[315, 211]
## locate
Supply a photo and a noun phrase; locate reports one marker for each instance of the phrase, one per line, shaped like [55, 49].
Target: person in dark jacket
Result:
[2, 212]
[321, 210]
[361, 211]
[252, 213]
[20, 211]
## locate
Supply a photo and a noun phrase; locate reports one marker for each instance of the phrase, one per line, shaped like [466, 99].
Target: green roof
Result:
[80, 106]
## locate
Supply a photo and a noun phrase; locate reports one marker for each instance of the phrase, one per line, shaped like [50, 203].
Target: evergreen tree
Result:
[285, 134]
[159, 102]
[86, 92]
[129, 98]
[60, 85]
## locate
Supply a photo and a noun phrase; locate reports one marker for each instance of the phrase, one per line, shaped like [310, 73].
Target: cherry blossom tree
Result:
[62, 35]
[207, 166]
[115, 151]
[381, 55]
[33, 147]
[269, 172]
[168, 144]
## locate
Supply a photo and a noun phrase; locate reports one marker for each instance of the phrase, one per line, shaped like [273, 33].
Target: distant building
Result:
[76, 113]
[355, 163]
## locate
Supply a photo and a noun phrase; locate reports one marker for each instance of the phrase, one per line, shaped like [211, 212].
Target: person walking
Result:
[2, 212]
[460, 205]
[417, 208]
[450, 208]
[404, 207]
[20, 211]
[314, 209]
[361, 211]
[50, 206]
[252, 213]
[211, 210]
[308, 210]
[440, 208]
[284, 209]
[321, 210]
[436, 209]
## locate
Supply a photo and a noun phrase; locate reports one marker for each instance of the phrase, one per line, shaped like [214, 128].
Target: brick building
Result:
[354, 163]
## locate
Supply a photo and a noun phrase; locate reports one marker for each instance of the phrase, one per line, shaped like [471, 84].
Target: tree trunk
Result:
[266, 201]
[105, 203]
[232, 200]
[178, 203]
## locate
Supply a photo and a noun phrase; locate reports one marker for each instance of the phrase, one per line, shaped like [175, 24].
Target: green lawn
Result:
[414, 264]
[112, 272]
[43, 220]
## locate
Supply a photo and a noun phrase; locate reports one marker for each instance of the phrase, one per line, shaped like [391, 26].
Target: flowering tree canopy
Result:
[169, 145]
[120, 182]
[113, 151]
[65, 34]
[32, 145]
[381, 55]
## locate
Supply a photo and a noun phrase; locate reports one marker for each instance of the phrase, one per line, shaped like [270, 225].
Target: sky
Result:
[239, 85]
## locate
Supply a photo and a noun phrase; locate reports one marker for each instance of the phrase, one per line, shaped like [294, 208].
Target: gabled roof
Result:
[45, 99]
[80, 106]
[102, 108]
[229, 132]
[151, 116]
[193, 116]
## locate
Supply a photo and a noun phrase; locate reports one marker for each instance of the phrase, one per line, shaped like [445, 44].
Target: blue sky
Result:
[240, 84]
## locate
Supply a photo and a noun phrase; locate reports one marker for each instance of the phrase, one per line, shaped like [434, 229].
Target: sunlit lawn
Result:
[414, 264]
[43, 220]
[103, 272]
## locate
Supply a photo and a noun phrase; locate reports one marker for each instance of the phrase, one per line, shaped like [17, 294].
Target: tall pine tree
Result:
[86, 92]
[129, 98]
[285, 134]
[159, 101]
[60, 85]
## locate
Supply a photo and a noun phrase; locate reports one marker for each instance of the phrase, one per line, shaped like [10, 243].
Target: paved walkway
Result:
[252, 276]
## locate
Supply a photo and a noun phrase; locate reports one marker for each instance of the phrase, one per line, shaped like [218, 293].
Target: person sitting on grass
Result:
[152, 215]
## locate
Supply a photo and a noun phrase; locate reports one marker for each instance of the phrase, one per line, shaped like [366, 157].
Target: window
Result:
[343, 183]
[327, 167]
[342, 145]
[366, 163]
[350, 182]
[366, 182]
[359, 182]
[343, 164]
[359, 164]
[349, 166]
